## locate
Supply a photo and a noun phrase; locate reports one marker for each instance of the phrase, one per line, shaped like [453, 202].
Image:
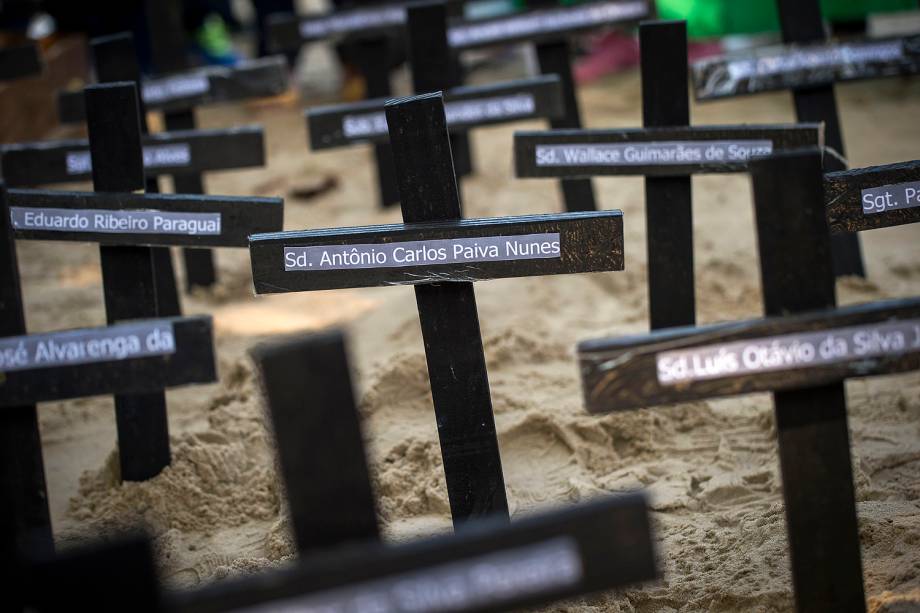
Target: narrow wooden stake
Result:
[434, 67]
[316, 423]
[373, 55]
[115, 59]
[128, 273]
[801, 23]
[814, 444]
[449, 319]
[22, 470]
[168, 46]
[668, 200]
[555, 57]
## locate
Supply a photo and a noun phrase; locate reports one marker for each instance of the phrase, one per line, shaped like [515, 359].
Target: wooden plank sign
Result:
[549, 24]
[212, 85]
[873, 197]
[165, 153]
[536, 560]
[655, 152]
[466, 107]
[442, 255]
[288, 32]
[418, 253]
[801, 65]
[112, 218]
[136, 357]
[776, 353]
[20, 61]
[802, 352]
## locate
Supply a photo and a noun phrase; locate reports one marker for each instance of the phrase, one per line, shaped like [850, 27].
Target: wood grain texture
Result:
[240, 216]
[192, 362]
[844, 203]
[251, 79]
[611, 540]
[327, 123]
[45, 162]
[713, 78]
[590, 242]
[621, 373]
[783, 137]
[308, 389]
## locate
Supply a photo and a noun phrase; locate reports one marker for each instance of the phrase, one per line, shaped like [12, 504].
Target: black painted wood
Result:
[624, 373]
[166, 153]
[240, 216]
[169, 46]
[801, 22]
[114, 576]
[554, 57]
[434, 66]
[373, 55]
[288, 32]
[814, 445]
[22, 471]
[795, 64]
[448, 316]
[115, 59]
[587, 242]
[668, 200]
[546, 24]
[135, 377]
[530, 147]
[348, 124]
[203, 86]
[317, 427]
[128, 273]
[873, 197]
[19, 61]
[609, 540]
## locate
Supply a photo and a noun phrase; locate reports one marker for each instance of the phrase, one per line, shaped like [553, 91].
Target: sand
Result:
[710, 467]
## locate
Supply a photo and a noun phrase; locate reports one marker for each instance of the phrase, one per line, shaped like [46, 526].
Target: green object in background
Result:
[709, 18]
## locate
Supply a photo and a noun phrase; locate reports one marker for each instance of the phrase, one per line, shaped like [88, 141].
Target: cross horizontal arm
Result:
[253, 79]
[873, 197]
[544, 24]
[134, 357]
[777, 353]
[595, 546]
[124, 218]
[462, 250]
[465, 107]
[670, 151]
[794, 66]
[165, 153]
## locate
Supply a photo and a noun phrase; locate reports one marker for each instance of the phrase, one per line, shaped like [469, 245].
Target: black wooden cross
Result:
[667, 151]
[489, 566]
[119, 54]
[442, 255]
[802, 351]
[20, 61]
[873, 197]
[127, 358]
[126, 224]
[810, 66]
